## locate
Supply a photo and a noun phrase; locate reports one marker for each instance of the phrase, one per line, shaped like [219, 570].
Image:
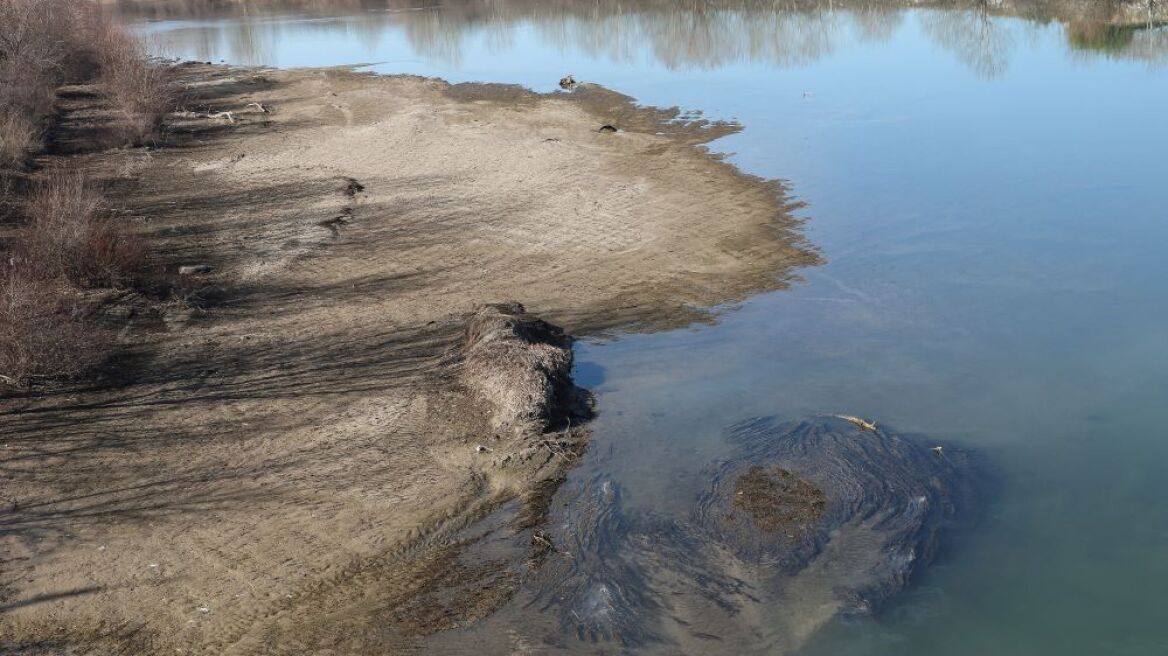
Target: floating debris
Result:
[862, 423]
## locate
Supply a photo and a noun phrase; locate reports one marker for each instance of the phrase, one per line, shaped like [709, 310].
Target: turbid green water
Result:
[990, 196]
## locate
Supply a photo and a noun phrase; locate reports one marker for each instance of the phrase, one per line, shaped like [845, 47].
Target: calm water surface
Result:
[990, 196]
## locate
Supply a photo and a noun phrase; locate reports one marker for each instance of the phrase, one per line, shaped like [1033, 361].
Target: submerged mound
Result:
[797, 490]
[520, 365]
[805, 522]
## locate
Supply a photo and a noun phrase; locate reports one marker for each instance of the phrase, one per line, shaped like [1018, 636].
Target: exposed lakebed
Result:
[987, 192]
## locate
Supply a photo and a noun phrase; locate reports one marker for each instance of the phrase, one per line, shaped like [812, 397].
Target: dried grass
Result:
[140, 91]
[43, 43]
[69, 235]
[42, 332]
[519, 364]
[68, 239]
[19, 136]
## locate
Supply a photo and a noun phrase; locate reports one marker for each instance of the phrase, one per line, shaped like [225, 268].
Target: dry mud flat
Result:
[285, 457]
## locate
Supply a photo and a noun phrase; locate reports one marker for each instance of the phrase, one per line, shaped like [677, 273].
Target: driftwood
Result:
[217, 115]
[228, 115]
[862, 423]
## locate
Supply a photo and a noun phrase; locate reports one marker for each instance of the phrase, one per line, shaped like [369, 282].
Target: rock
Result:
[194, 269]
[568, 83]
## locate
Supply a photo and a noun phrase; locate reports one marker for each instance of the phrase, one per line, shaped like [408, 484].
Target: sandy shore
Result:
[291, 448]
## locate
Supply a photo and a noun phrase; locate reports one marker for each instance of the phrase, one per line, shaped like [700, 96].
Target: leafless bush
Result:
[42, 333]
[140, 90]
[68, 239]
[43, 43]
[70, 235]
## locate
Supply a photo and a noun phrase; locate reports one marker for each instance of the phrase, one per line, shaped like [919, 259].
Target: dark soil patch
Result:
[778, 500]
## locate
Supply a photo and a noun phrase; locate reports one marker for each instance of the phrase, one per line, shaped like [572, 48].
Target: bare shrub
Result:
[68, 238]
[42, 332]
[139, 90]
[43, 43]
[70, 235]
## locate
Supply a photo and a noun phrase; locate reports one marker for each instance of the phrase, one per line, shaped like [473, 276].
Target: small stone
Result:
[193, 269]
[481, 449]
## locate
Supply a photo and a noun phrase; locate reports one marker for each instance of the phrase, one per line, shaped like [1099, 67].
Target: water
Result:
[989, 194]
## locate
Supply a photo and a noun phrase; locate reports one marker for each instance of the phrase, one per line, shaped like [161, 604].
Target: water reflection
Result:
[977, 39]
[691, 34]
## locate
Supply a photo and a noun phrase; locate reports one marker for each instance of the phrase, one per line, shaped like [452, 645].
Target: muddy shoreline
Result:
[290, 446]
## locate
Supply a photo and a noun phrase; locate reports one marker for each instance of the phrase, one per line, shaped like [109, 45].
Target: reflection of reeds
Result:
[1143, 42]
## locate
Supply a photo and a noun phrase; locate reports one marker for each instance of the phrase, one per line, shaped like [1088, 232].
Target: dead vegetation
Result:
[141, 92]
[70, 235]
[520, 365]
[62, 238]
[43, 44]
[778, 500]
[42, 329]
[68, 243]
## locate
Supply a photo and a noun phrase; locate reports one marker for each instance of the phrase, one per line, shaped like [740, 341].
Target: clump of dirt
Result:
[520, 365]
[778, 500]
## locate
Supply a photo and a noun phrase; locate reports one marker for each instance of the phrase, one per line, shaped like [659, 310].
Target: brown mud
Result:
[290, 451]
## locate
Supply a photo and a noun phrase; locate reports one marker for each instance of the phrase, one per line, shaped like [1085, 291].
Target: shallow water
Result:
[989, 194]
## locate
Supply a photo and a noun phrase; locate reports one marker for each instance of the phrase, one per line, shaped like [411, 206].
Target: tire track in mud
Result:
[389, 572]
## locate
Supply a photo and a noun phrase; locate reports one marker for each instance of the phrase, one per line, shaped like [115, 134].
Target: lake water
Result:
[990, 197]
